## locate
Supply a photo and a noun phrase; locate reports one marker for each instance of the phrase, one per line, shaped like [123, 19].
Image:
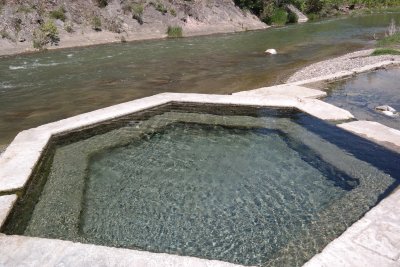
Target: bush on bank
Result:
[268, 10]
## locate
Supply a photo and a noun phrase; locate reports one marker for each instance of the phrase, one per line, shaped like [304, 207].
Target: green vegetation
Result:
[24, 9]
[137, 12]
[102, 3]
[279, 17]
[159, 7]
[385, 51]
[2, 4]
[58, 14]
[172, 12]
[390, 41]
[16, 24]
[96, 23]
[390, 44]
[68, 27]
[174, 32]
[5, 35]
[270, 10]
[45, 34]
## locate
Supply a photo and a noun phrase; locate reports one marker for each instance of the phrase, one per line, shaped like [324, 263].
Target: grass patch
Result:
[385, 51]
[390, 41]
[174, 32]
[58, 14]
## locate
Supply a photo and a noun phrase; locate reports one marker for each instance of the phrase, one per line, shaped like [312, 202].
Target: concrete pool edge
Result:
[16, 169]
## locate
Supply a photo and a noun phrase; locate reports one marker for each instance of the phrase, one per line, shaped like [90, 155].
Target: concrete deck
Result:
[285, 89]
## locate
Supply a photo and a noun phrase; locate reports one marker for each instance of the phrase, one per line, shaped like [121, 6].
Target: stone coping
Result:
[6, 204]
[33, 251]
[285, 89]
[374, 240]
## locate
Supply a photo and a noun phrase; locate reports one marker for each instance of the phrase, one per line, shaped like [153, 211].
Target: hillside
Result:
[58, 23]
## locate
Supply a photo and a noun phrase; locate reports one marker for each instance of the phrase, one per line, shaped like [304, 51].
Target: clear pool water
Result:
[363, 93]
[260, 189]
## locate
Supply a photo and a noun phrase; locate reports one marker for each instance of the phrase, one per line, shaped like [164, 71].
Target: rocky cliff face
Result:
[85, 22]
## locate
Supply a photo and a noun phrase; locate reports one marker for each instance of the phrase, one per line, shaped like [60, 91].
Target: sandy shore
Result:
[346, 62]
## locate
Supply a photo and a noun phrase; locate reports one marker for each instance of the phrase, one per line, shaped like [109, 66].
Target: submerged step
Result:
[375, 131]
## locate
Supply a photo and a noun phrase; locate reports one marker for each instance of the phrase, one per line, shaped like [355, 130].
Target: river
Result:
[47, 86]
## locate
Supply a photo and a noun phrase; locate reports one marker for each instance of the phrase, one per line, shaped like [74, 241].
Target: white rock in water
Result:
[386, 108]
[271, 52]
[390, 113]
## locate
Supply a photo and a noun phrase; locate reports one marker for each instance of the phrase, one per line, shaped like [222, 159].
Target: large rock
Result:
[387, 110]
[271, 52]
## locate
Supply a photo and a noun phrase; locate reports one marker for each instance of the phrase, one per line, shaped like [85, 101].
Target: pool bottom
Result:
[235, 188]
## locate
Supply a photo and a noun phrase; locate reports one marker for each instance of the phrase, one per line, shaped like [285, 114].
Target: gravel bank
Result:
[347, 62]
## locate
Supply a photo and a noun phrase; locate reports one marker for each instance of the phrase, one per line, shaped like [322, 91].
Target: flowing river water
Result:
[44, 87]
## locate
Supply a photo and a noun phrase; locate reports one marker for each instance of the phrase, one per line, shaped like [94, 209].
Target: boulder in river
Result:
[387, 110]
[271, 52]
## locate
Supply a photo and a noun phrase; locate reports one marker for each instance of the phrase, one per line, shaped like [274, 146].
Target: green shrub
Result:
[312, 16]
[58, 14]
[292, 18]
[96, 23]
[47, 33]
[102, 3]
[174, 31]
[16, 24]
[51, 31]
[68, 27]
[137, 12]
[172, 12]
[279, 17]
[5, 35]
[114, 25]
[385, 51]
[159, 7]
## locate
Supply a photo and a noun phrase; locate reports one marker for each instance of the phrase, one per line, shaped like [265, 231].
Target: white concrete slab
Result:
[372, 241]
[31, 251]
[376, 132]
[323, 110]
[20, 158]
[6, 204]
[286, 90]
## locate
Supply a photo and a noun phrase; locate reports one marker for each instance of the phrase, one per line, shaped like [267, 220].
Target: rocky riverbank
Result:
[346, 62]
[83, 23]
